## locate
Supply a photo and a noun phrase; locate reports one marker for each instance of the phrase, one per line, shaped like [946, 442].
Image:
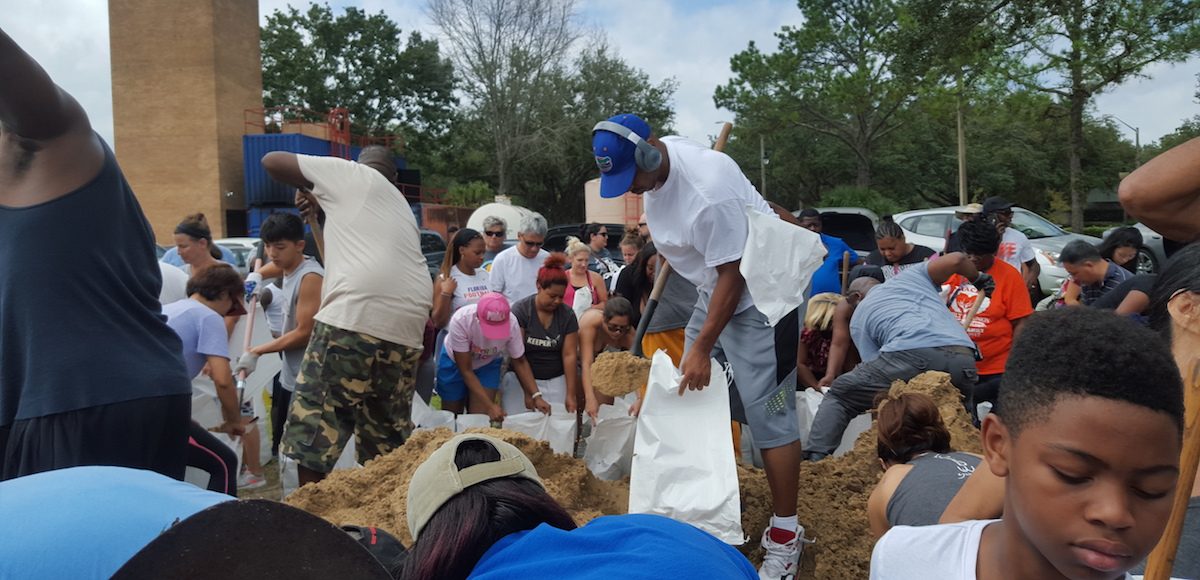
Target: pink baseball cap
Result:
[493, 311]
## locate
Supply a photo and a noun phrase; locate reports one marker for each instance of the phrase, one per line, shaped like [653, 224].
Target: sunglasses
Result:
[493, 234]
[605, 234]
[641, 224]
[533, 244]
[617, 329]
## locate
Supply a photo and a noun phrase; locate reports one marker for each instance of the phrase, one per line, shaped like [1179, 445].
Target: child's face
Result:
[1089, 488]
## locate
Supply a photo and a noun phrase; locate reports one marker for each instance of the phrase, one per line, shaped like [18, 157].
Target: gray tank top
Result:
[925, 492]
[291, 295]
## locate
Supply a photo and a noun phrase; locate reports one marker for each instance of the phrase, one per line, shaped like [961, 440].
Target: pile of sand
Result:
[376, 494]
[832, 501]
[833, 492]
[619, 373]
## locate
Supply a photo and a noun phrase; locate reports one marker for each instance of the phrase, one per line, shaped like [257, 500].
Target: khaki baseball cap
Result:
[438, 479]
[971, 208]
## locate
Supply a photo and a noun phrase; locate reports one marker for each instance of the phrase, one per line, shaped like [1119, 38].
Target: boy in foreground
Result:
[1087, 434]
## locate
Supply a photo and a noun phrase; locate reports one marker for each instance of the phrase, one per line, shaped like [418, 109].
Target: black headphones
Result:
[647, 156]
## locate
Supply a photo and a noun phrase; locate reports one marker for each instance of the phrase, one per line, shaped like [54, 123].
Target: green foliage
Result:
[359, 61]
[834, 75]
[1188, 130]
[470, 194]
[850, 196]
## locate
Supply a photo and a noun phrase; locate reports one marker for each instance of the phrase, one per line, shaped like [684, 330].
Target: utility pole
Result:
[762, 165]
[962, 146]
[1137, 140]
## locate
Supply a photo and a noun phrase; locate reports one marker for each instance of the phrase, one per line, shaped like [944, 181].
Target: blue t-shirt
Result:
[630, 547]
[80, 321]
[86, 522]
[905, 313]
[171, 256]
[202, 331]
[827, 278]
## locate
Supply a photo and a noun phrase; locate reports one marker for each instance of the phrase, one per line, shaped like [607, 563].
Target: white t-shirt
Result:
[464, 335]
[376, 279]
[174, 284]
[1015, 248]
[514, 275]
[470, 288]
[698, 216]
[925, 552]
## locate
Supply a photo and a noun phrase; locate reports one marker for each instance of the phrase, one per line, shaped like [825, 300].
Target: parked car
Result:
[433, 246]
[854, 225]
[929, 227]
[1152, 256]
[556, 239]
[244, 251]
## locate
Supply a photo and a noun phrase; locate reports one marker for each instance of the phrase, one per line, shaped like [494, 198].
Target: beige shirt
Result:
[376, 280]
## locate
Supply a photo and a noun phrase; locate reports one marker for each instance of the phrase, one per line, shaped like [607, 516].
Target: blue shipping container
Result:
[255, 217]
[261, 190]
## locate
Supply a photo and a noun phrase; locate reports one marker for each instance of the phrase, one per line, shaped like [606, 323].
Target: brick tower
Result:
[183, 73]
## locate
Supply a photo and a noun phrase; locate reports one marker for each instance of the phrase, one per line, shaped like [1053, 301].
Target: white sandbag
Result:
[582, 301]
[557, 428]
[856, 427]
[512, 397]
[289, 475]
[471, 421]
[424, 417]
[609, 453]
[682, 467]
[778, 263]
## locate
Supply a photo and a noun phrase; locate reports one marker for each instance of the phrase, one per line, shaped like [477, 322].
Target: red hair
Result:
[553, 271]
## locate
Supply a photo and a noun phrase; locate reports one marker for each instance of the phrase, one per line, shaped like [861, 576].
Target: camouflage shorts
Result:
[350, 384]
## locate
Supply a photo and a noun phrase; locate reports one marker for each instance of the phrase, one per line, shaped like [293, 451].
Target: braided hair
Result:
[888, 228]
[978, 238]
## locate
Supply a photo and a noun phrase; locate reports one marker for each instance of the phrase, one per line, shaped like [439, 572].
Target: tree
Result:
[598, 85]
[1075, 49]
[836, 75]
[358, 61]
[508, 55]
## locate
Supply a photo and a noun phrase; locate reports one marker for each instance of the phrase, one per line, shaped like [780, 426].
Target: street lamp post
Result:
[1137, 140]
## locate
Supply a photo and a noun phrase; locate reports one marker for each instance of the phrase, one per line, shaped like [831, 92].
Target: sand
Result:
[833, 492]
[619, 373]
[376, 494]
[832, 500]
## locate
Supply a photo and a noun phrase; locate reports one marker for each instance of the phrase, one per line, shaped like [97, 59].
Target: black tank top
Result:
[80, 322]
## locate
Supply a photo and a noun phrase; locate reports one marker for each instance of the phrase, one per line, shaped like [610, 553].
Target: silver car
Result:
[1153, 255]
[930, 227]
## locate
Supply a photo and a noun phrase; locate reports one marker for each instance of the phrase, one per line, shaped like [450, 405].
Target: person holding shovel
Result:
[608, 330]
[695, 200]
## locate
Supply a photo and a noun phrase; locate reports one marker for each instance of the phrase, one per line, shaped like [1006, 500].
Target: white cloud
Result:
[691, 41]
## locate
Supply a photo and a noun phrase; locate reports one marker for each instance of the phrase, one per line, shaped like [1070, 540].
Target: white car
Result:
[930, 228]
[244, 250]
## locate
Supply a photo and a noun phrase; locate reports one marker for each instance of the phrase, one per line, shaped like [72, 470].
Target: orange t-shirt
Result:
[992, 328]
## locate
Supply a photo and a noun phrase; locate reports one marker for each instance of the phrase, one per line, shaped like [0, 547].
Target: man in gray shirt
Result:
[902, 328]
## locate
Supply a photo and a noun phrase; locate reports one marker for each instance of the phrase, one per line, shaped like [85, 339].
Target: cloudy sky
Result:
[691, 40]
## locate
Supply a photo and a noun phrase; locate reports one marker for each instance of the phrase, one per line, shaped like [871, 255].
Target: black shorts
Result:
[150, 433]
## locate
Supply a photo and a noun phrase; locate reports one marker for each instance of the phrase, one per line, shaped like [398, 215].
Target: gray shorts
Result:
[748, 345]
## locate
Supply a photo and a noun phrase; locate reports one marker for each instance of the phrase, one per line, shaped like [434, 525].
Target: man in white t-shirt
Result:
[359, 370]
[1014, 244]
[695, 200]
[514, 271]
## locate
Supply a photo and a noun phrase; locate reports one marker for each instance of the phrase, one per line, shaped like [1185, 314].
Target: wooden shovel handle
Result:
[1162, 559]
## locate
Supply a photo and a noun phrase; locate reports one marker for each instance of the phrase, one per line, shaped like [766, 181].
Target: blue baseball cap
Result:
[615, 155]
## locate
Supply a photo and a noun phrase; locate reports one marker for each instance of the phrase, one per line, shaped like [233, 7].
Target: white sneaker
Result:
[782, 560]
[248, 480]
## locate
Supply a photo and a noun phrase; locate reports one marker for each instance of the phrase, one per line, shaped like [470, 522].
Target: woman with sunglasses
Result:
[495, 232]
[596, 237]
[580, 277]
[610, 329]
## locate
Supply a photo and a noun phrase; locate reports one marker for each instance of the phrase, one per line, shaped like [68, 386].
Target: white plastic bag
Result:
[778, 262]
[808, 402]
[583, 301]
[609, 453]
[424, 417]
[557, 428]
[682, 465]
[471, 421]
[289, 476]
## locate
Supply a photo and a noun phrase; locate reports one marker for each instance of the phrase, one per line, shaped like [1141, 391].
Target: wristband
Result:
[447, 295]
[536, 395]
